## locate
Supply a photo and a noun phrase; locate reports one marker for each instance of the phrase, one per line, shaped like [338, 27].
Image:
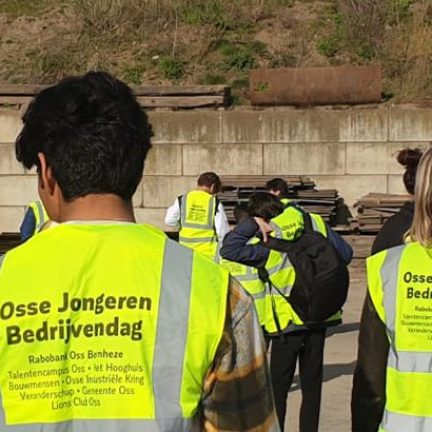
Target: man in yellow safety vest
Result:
[106, 324]
[200, 217]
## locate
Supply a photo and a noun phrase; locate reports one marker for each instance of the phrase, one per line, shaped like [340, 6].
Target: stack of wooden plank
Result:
[375, 208]
[174, 97]
[302, 190]
[8, 241]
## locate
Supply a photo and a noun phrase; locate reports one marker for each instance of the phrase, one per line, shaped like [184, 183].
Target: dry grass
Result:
[217, 41]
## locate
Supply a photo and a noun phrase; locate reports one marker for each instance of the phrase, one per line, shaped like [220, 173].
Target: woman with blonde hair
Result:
[393, 377]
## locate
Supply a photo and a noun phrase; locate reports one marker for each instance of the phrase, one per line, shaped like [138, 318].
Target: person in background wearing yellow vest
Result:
[300, 342]
[106, 324]
[200, 217]
[247, 275]
[34, 219]
[279, 187]
[393, 380]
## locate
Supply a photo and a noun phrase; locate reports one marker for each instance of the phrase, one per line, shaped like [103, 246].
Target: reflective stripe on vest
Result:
[197, 219]
[151, 298]
[250, 281]
[399, 283]
[394, 422]
[288, 226]
[40, 214]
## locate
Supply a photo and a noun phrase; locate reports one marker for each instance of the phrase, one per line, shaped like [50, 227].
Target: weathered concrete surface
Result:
[352, 187]
[352, 150]
[160, 192]
[17, 190]
[185, 127]
[376, 158]
[339, 360]
[8, 163]
[10, 218]
[10, 125]
[395, 185]
[410, 124]
[316, 158]
[164, 159]
[364, 125]
[225, 159]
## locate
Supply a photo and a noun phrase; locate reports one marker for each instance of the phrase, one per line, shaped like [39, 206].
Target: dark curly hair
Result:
[409, 158]
[93, 133]
[264, 205]
[280, 185]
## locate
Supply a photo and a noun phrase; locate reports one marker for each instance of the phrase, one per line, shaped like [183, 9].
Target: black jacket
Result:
[394, 229]
[368, 395]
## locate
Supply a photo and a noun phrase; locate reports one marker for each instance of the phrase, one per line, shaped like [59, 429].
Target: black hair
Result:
[280, 185]
[93, 133]
[409, 158]
[265, 205]
[209, 179]
[241, 212]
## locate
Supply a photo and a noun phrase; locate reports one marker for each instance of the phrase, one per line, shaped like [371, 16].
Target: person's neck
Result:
[97, 207]
[204, 189]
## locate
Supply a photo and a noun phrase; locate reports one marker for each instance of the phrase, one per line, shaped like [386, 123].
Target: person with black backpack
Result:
[304, 265]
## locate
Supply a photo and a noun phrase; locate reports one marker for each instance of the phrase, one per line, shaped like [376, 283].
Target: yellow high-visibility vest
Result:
[285, 201]
[41, 216]
[400, 286]
[197, 220]
[288, 226]
[250, 281]
[107, 327]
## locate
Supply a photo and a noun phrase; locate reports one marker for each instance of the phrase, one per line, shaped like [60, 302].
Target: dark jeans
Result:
[308, 347]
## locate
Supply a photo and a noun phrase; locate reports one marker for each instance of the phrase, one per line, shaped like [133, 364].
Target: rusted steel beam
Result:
[316, 86]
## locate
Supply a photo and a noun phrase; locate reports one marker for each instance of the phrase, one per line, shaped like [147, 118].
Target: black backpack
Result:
[322, 279]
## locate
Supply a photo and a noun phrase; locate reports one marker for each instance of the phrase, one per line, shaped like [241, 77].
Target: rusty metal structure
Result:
[316, 86]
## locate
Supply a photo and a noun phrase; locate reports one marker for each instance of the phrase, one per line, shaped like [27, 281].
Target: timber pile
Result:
[174, 97]
[374, 209]
[8, 241]
[302, 190]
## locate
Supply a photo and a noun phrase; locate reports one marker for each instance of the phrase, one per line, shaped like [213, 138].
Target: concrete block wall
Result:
[352, 150]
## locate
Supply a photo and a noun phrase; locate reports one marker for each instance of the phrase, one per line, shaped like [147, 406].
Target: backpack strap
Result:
[265, 277]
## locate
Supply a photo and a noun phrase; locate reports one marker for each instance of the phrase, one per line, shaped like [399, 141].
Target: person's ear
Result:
[212, 189]
[47, 181]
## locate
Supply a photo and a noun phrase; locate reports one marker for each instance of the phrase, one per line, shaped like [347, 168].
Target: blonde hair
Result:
[421, 228]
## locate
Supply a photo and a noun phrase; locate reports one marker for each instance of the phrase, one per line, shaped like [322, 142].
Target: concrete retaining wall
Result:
[351, 150]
